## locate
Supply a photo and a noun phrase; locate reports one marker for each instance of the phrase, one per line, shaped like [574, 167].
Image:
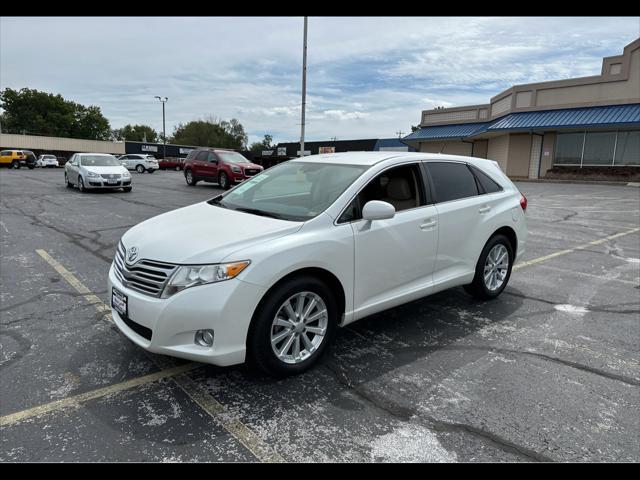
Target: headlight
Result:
[126, 174]
[194, 275]
[236, 170]
[92, 174]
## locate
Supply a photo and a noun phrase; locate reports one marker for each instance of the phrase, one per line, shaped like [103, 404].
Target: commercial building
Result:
[61, 147]
[530, 129]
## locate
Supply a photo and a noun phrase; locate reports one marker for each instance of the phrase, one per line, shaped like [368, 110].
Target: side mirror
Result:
[378, 210]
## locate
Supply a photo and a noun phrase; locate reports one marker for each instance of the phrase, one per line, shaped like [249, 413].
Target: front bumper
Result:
[225, 307]
[101, 183]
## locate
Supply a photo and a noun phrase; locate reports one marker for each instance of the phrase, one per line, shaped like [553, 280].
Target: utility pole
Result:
[164, 131]
[304, 86]
[399, 133]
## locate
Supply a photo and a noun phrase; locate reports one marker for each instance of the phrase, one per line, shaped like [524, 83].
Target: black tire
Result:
[223, 181]
[259, 351]
[150, 171]
[178, 168]
[126, 189]
[31, 167]
[81, 186]
[478, 287]
[15, 165]
[66, 181]
[140, 168]
[190, 178]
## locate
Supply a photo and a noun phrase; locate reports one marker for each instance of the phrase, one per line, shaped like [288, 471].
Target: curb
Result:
[581, 182]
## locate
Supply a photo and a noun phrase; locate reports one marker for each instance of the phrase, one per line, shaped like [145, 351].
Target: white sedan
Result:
[268, 270]
[90, 171]
[50, 161]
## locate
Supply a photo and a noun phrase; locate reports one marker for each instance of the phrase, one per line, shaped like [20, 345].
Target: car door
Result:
[199, 164]
[461, 211]
[212, 166]
[394, 258]
[73, 169]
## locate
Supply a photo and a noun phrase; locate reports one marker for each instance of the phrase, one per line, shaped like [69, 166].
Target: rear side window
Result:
[486, 183]
[452, 181]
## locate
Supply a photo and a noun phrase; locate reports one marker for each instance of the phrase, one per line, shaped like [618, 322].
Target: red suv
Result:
[225, 167]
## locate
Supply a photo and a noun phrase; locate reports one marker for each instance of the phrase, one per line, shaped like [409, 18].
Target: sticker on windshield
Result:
[249, 183]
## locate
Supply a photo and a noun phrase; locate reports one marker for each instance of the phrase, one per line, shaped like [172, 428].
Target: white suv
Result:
[140, 163]
[272, 267]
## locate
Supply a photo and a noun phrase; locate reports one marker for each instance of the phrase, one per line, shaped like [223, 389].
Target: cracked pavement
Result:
[550, 371]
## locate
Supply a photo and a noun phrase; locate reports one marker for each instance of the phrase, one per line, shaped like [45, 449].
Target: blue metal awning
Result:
[587, 117]
[444, 132]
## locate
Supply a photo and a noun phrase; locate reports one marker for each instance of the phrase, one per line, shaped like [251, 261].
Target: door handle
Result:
[430, 223]
[484, 209]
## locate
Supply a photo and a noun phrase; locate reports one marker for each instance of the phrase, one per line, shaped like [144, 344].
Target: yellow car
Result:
[17, 158]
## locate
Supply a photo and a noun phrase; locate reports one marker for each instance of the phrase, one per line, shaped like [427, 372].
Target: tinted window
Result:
[400, 186]
[192, 154]
[212, 157]
[233, 157]
[452, 181]
[99, 161]
[487, 184]
[202, 156]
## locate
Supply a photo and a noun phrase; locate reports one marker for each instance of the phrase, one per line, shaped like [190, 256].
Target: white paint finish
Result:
[379, 263]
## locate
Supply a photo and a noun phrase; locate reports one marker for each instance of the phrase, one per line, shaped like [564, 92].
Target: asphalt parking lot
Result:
[550, 371]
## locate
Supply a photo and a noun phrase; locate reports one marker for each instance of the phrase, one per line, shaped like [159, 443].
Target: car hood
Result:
[248, 165]
[106, 170]
[203, 233]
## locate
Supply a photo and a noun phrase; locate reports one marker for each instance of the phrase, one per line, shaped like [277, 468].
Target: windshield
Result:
[232, 157]
[295, 191]
[99, 161]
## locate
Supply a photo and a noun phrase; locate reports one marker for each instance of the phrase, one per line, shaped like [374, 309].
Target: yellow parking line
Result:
[76, 400]
[570, 250]
[258, 447]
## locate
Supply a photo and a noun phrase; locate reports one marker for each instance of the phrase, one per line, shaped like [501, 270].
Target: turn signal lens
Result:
[234, 269]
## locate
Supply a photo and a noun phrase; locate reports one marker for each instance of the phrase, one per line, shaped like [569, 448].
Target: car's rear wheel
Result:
[177, 168]
[292, 327]
[223, 181]
[150, 171]
[493, 269]
[15, 164]
[140, 168]
[190, 178]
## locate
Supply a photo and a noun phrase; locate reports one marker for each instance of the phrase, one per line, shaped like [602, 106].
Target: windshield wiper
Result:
[217, 201]
[255, 211]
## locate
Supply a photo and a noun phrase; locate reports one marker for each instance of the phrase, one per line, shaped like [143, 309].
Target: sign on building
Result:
[306, 152]
[282, 151]
[266, 153]
[185, 151]
[327, 150]
[149, 148]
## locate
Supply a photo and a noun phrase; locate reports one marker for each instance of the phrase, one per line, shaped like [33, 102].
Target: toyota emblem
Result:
[132, 254]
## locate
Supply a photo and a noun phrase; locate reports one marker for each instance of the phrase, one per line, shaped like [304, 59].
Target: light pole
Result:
[304, 86]
[164, 131]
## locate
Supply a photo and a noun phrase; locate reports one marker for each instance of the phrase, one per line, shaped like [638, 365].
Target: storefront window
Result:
[599, 148]
[628, 148]
[569, 148]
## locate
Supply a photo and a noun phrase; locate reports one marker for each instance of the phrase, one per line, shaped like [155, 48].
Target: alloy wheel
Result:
[496, 267]
[299, 327]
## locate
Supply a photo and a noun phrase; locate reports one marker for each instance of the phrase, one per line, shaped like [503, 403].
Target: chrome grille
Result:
[144, 276]
[249, 172]
[111, 176]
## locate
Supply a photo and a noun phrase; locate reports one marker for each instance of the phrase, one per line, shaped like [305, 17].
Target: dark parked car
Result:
[224, 167]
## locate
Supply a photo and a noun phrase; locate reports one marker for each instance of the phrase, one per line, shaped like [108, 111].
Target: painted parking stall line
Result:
[243, 434]
[76, 400]
[575, 249]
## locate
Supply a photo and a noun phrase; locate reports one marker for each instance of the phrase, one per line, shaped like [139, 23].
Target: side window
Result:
[452, 181]
[191, 155]
[202, 156]
[402, 187]
[486, 183]
[212, 158]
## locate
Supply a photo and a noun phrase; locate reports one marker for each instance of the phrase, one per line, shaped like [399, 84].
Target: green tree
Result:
[211, 133]
[265, 144]
[138, 133]
[33, 112]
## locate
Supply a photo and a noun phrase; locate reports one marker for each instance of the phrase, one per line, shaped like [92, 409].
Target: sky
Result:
[367, 77]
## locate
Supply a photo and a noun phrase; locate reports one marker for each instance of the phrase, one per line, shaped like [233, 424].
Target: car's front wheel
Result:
[493, 269]
[177, 168]
[292, 327]
[81, 186]
[223, 181]
[126, 189]
[66, 181]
